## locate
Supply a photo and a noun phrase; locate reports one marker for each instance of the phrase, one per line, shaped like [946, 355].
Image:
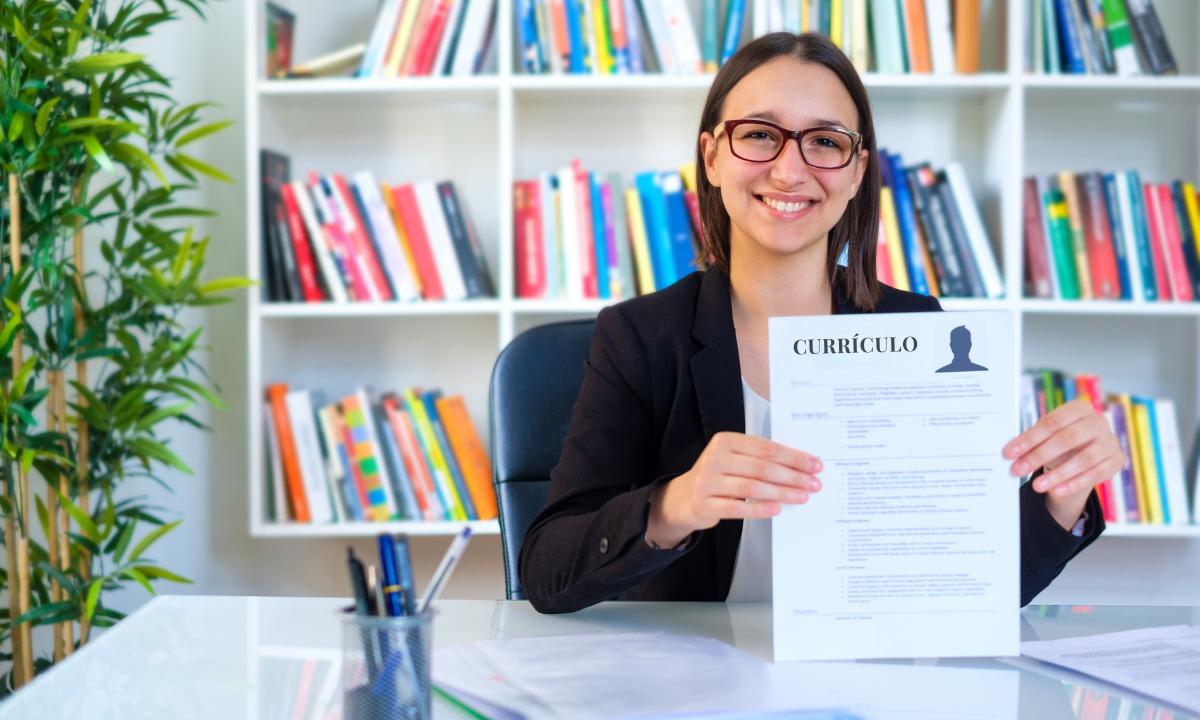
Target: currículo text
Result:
[854, 345]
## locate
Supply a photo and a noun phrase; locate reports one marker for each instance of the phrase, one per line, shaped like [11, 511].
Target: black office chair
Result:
[534, 385]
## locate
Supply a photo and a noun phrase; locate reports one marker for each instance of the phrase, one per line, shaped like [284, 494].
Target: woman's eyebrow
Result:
[771, 116]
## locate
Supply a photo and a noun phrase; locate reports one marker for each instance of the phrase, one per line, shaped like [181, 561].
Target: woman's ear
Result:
[708, 150]
[860, 169]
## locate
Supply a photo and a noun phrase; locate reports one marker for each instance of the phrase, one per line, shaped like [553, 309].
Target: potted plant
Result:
[94, 360]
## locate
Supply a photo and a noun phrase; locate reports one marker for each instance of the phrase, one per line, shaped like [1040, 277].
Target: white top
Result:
[752, 569]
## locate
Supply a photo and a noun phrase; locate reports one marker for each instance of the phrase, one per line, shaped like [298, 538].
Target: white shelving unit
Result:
[485, 132]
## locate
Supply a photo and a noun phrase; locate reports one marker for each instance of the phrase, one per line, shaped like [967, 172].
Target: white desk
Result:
[232, 657]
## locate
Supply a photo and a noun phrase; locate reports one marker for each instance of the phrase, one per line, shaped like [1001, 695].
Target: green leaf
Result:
[93, 597]
[18, 125]
[43, 515]
[202, 167]
[203, 131]
[27, 458]
[158, 451]
[153, 571]
[80, 517]
[161, 414]
[200, 390]
[123, 539]
[136, 574]
[224, 284]
[43, 115]
[73, 36]
[181, 257]
[102, 63]
[92, 145]
[26, 418]
[22, 378]
[45, 612]
[144, 159]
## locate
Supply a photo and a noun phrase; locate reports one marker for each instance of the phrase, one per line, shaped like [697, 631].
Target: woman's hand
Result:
[733, 469]
[1077, 449]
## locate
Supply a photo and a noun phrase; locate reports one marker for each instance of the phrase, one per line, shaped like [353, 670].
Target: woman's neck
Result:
[771, 287]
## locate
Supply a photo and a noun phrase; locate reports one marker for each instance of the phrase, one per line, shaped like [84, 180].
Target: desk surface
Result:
[232, 657]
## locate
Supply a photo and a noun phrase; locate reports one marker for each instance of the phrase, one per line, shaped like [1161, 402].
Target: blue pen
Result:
[391, 578]
[404, 571]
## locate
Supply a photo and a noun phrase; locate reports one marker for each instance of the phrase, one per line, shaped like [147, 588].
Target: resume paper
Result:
[910, 549]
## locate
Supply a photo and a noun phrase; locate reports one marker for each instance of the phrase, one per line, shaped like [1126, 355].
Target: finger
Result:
[771, 450]
[1051, 423]
[768, 470]
[1065, 439]
[1105, 469]
[744, 488]
[1083, 459]
[728, 509]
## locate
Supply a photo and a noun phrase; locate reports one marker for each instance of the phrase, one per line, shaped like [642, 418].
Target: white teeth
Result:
[786, 207]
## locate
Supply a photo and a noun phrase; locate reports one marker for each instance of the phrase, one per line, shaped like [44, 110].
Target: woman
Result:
[649, 498]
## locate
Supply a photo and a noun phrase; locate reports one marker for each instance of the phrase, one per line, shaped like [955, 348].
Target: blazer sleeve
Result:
[1045, 546]
[587, 545]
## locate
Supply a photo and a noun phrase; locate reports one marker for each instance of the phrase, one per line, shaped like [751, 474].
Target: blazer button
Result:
[603, 545]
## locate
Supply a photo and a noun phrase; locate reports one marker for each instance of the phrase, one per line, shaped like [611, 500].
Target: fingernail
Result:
[1020, 467]
[816, 465]
[815, 484]
[1011, 449]
[1060, 490]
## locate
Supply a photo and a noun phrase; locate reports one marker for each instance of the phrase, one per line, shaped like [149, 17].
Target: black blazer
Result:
[662, 379]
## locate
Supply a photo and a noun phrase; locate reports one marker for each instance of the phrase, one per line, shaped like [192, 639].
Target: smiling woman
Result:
[667, 481]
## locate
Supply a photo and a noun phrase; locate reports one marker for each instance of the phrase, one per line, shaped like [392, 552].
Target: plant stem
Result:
[22, 638]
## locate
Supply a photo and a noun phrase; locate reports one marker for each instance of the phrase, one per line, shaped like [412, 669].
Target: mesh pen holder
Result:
[385, 667]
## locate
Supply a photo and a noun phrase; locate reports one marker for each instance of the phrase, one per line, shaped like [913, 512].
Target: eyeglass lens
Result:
[820, 148]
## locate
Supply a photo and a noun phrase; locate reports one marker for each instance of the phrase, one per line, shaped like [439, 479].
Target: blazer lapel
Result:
[716, 377]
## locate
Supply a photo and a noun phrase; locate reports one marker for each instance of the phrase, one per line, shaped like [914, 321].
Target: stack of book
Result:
[1152, 488]
[429, 37]
[1109, 236]
[580, 236]
[361, 240]
[932, 239]
[410, 456]
[618, 37]
[1096, 37]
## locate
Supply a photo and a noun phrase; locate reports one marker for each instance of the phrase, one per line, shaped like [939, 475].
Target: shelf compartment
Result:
[371, 529]
[378, 309]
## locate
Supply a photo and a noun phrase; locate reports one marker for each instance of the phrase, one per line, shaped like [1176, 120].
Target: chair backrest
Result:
[534, 385]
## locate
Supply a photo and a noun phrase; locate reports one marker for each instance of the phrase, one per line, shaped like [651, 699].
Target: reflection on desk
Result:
[229, 658]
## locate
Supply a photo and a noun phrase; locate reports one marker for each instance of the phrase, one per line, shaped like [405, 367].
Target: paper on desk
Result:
[647, 675]
[910, 548]
[1161, 662]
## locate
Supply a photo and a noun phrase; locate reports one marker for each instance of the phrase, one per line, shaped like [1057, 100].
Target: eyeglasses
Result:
[825, 148]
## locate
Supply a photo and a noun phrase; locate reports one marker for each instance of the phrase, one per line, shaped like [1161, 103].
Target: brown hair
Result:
[859, 225]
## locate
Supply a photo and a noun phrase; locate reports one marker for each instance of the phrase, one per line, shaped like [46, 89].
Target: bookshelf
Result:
[486, 131]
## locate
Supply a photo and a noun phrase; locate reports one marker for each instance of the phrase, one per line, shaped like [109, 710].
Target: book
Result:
[467, 248]
[308, 455]
[280, 29]
[281, 271]
[454, 471]
[380, 229]
[966, 38]
[297, 497]
[1151, 41]
[471, 454]
[415, 465]
[438, 231]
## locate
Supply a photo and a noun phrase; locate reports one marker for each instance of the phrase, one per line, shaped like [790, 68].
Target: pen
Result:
[358, 583]
[404, 570]
[362, 606]
[449, 560]
[392, 588]
[374, 603]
